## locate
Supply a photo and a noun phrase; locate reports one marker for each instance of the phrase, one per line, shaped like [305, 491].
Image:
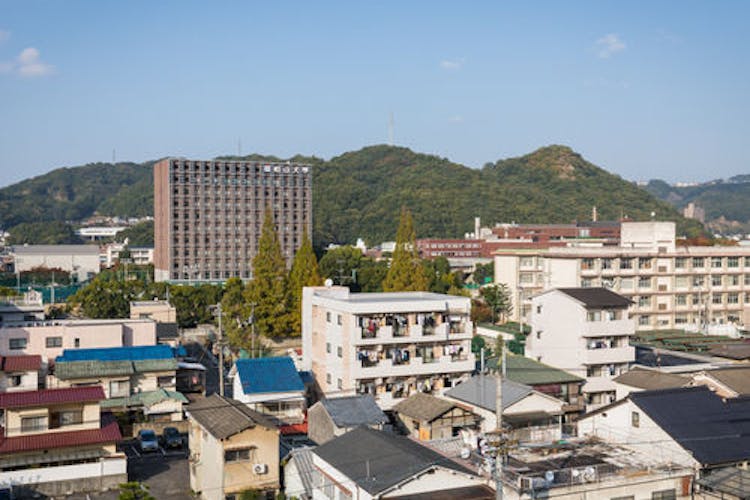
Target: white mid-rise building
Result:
[671, 286]
[389, 345]
[585, 331]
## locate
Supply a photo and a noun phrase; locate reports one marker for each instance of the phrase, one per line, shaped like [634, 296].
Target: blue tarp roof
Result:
[137, 353]
[268, 375]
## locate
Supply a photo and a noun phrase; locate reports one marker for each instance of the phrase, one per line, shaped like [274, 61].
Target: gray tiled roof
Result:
[651, 379]
[224, 417]
[423, 407]
[303, 460]
[378, 460]
[481, 391]
[595, 298]
[354, 410]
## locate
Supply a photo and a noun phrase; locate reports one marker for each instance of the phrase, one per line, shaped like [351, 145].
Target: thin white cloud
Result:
[28, 64]
[609, 45]
[451, 64]
[456, 119]
[4, 35]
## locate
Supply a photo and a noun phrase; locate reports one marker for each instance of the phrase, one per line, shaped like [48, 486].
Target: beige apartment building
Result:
[208, 215]
[671, 286]
[389, 345]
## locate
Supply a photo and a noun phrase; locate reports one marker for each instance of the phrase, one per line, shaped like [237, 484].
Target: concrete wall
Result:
[65, 479]
[652, 235]
[81, 260]
[29, 381]
[320, 427]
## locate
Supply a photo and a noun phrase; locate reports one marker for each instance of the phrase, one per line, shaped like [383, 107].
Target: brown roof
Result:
[731, 351]
[20, 363]
[47, 397]
[224, 417]
[108, 432]
[651, 379]
[422, 406]
[736, 379]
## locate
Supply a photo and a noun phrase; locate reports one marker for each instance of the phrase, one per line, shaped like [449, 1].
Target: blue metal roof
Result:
[261, 375]
[137, 353]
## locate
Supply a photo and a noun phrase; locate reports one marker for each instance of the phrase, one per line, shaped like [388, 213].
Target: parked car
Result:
[147, 440]
[171, 438]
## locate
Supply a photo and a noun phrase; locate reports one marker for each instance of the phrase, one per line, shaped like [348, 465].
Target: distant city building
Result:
[99, 232]
[671, 286]
[208, 215]
[81, 261]
[693, 211]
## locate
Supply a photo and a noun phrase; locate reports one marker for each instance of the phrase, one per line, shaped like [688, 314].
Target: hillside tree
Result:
[406, 273]
[304, 273]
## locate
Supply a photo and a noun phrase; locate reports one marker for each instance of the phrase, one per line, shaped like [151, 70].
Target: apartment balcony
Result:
[415, 366]
[609, 355]
[618, 327]
[414, 333]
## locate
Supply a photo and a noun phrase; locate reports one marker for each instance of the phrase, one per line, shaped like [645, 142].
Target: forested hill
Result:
[359, 194]
[725, 201]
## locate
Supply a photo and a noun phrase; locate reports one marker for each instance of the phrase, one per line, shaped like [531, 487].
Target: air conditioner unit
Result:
[260, 468]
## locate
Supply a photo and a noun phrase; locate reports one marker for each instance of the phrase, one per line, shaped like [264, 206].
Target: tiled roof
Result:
[147, 398]
[224, 417]
[135, 353]
[481, 391]
[736, 379]
[262, 375]
[377, 460]
[303, 460]
[354, 410]
[46, 397]
[651, 379]
[714, 431]
[731, 351]
[108, 432]
[531, 372]
[423, 407]
[20, 363]
[596, 298]
[67, 370]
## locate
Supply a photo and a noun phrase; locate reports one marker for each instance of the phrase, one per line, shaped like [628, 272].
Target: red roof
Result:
[20, 363]
[109, 432]
[287, 430]
[48, 397]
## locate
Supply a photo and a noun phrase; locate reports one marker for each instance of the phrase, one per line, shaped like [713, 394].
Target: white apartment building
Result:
[671, 286]
[585, 331]
[389, 345]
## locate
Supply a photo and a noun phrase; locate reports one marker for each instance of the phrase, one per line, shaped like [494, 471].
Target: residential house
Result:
[585, 331]
[23, 308]
[160, 311]
[690, 426]
[299, 473]
[365, 463]
[645, 379]
[333, 417]
[20, 373]
[426, 417]
[271, 386]
[49, 338]
[57, 441]
[726, 382]
[727, 483]
[135, 379]
[232, 449]
[529, 414]
[389, 345]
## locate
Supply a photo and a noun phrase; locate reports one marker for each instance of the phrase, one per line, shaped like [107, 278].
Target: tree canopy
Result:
[406, 272]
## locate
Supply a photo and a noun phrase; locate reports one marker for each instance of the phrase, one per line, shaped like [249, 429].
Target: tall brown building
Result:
[208, 215]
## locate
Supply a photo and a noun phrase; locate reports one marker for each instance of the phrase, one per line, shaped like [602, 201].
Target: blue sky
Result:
[643, 89]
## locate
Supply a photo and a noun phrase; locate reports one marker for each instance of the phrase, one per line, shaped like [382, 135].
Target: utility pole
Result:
[499, 444]
[220, 343]
[252, 331]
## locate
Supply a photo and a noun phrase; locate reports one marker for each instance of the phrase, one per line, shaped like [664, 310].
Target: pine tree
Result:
[304, 273]
[267, 290]
[406, 272]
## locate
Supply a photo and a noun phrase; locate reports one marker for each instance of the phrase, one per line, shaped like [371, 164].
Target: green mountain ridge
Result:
[360, 193]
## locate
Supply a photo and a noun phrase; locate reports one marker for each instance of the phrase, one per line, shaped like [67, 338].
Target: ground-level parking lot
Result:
[164, 471]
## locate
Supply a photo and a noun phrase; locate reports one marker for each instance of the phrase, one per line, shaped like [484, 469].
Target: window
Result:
[14, 380]
[635, 419]
[626, 263]
[165, 381]
[339, 384]
[606, 263]
[733, 298]
[594, 316]
[680, 263]
[539, 309]
[644, 282]
[644, 301]
[733, 262]
[119, 388]
[681, 282]
[626, 284]
[34, 424]
[644, 263]
[715, 280]
[643, 321]
[65, 418]
[527, 262]
[586, 283]
[328, 347]
[628, 497]
[17, 344]
[699, 280]
[698, 262]
[53, 342]
[716, 298]
[733, 280]
[664, 495]
[339, 320]
[328, 378]
[587, 263]
[241, 455]
[716, 261]
[77, 342]
[526, 278]
[328, 317]
[681, 300]
[340, 352]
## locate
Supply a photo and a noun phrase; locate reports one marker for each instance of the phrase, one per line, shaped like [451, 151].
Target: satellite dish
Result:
[329, 283]
[549, 476]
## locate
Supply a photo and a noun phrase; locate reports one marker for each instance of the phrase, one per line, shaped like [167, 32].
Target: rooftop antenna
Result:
[390, 129]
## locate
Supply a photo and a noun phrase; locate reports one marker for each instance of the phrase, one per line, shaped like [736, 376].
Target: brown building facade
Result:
[208, 215]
